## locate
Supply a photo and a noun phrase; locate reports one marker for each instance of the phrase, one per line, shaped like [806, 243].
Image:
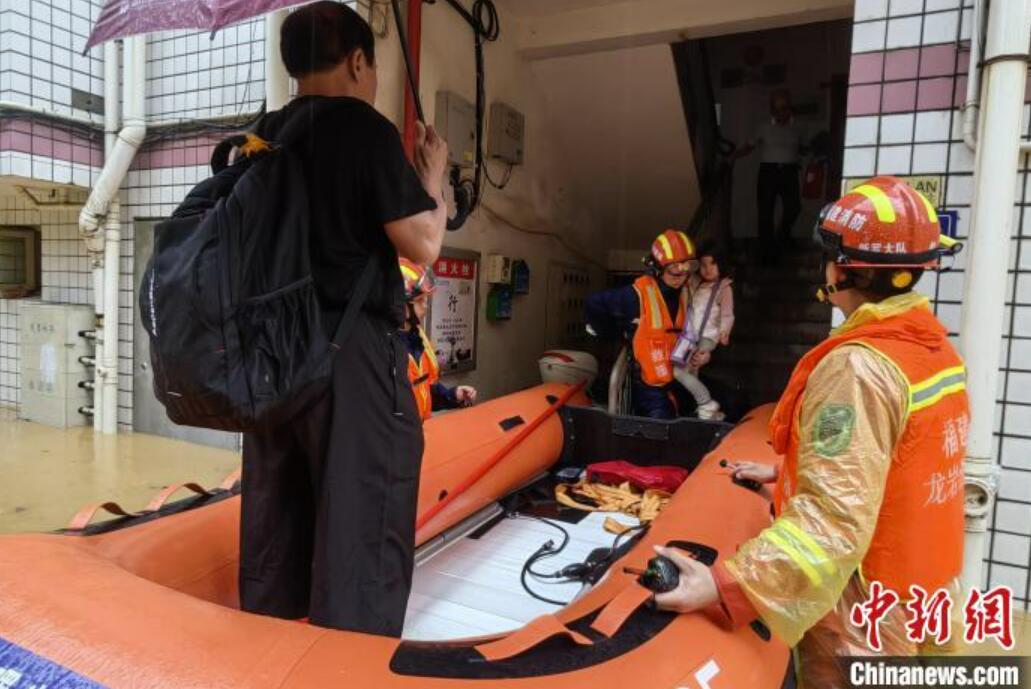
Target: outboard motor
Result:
[568, 366]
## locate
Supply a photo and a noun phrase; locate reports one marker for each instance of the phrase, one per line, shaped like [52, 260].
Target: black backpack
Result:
[237, 341]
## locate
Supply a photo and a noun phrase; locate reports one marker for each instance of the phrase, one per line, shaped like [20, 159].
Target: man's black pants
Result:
[329, 500]
[777, 180]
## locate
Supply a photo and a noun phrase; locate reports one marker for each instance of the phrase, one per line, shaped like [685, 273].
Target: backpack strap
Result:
[250, 143]
[354, 304]
[716, 289]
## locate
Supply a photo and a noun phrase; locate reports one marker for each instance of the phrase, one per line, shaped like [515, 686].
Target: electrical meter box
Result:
[51, 370]
[507, 130]
[456, 122]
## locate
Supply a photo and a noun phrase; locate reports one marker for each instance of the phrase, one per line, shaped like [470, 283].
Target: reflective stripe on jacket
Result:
[656, 332]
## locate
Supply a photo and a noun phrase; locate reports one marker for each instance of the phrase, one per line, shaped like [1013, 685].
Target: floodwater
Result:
[47, 474]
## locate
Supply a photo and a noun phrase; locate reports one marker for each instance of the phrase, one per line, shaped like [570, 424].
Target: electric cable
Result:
[403, 40]
[485, 23]
[579, 253]
[573, 572]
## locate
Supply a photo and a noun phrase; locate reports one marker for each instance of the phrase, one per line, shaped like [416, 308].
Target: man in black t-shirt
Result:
[329, 499]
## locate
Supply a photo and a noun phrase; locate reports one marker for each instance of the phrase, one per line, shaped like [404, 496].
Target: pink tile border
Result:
[866, 68]
[864, 99]
[43, 140]
[901, 64]
[899, 97]
[178, 153]
[938, 61]
[935, 94]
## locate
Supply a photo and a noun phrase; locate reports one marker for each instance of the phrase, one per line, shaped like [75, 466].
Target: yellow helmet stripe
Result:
[931, 213]
[667, 248]
[688, 244]
[881, 203]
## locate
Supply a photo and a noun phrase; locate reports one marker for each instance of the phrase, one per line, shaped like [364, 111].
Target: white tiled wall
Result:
[195, 76]
[42, 59]
[65, 279]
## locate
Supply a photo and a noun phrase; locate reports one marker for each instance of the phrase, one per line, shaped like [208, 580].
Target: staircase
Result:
[777, 320]
[777, 316]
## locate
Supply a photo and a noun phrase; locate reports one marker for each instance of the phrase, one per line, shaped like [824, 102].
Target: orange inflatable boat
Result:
[150, 600]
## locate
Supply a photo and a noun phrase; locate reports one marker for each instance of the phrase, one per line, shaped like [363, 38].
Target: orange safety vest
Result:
[919, 534]
[656, 332]
[422, 374]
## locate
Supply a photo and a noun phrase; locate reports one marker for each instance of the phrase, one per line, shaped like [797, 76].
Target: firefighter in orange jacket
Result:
[652, 313]
[423, 368]
[873, 428]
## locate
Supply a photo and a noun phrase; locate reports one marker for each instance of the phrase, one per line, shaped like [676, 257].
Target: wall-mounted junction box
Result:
[498, 270]
[456, 122]
[50, 368]
[507, 131]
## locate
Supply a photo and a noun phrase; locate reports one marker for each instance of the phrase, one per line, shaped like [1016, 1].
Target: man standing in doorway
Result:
[780, 143]
[329, 499]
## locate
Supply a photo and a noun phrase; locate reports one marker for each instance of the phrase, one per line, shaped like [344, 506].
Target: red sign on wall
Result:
[455, 268]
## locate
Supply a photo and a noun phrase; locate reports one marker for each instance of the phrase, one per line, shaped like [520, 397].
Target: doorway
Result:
[148, 414]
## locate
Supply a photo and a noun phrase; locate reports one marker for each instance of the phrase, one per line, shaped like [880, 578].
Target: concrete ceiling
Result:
[550, 28]
[625, 142]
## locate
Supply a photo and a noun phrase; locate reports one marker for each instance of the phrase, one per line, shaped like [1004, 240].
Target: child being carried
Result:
[709, 322]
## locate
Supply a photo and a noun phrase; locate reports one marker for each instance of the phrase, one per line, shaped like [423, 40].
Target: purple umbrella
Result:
[121, 18]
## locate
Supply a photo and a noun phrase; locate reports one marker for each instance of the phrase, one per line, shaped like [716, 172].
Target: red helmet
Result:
[884, 223]
[672, 246]
[418, 280]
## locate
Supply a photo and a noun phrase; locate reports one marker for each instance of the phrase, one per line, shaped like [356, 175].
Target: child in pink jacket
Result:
[709, 322]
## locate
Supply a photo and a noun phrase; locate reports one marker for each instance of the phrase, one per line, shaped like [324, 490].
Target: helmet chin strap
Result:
[824, 293]
[413, 320]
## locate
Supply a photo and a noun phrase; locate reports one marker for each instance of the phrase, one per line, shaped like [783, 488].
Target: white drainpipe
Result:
[971, 107]
[277, 81]
[984, 293]
[112, 110]
[102, 211]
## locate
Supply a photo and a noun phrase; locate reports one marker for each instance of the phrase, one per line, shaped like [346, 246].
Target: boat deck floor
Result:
[473, 588]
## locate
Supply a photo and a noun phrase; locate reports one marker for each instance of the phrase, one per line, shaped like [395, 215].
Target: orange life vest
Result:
[656, 332]
[422, 374]
[919, 534]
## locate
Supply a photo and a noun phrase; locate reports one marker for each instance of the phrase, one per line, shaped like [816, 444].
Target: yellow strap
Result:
[881, 202]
